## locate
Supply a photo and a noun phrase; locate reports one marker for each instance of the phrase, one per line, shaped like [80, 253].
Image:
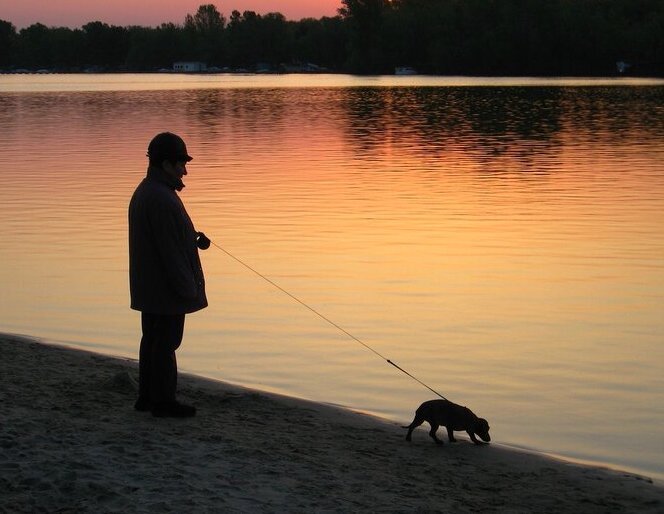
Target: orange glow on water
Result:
[506, 248]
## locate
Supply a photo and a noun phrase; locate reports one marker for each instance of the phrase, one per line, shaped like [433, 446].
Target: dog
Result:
[451, 416]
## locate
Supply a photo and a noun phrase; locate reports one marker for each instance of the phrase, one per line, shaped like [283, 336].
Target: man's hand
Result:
[202, 241]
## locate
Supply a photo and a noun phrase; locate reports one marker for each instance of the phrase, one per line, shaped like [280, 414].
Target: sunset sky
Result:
[75, 13]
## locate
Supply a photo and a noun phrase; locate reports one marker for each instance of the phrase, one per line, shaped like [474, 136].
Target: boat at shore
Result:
[405, 70]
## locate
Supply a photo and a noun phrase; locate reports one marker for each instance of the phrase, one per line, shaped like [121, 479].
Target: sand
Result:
[70, 441]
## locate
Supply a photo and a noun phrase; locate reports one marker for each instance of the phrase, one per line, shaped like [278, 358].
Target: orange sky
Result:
[75, 13]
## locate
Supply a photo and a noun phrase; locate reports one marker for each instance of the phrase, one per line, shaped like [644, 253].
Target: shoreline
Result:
[72, 441]
[108, 351]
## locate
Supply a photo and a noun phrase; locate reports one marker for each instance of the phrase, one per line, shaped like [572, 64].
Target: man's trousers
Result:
[158, 369]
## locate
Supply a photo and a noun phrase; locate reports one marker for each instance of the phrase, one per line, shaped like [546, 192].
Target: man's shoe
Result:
[142, 404]
[173, 410]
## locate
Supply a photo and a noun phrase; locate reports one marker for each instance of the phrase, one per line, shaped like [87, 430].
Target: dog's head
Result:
[481, 429]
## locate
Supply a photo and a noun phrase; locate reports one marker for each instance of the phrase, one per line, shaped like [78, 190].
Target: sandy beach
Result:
[70, 441]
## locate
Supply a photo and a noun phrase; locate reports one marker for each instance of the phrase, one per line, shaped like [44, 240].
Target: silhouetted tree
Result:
[206, 30]
[244, 39]
[7, 42]
[66, 47]
[275, 39]
[366, 43]
[491, 37]
[35, 48]
[105, 45]
[321, 42]
[157, 48]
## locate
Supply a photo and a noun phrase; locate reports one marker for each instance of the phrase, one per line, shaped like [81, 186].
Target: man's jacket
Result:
[165, 273]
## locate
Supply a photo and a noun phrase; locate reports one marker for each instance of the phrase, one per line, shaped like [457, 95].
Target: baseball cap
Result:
[168, 147]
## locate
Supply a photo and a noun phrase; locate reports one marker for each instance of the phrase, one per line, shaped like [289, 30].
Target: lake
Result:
[502, 240]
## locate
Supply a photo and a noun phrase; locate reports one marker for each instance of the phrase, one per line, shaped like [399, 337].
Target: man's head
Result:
[168, 152]
[167, 147]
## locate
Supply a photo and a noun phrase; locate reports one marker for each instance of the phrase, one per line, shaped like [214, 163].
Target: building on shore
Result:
[189, 67]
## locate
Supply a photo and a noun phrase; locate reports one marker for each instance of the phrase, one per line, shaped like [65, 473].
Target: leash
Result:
[328, 320]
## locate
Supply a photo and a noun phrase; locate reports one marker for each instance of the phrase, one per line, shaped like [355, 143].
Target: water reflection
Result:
[488, 122]
[505, 243]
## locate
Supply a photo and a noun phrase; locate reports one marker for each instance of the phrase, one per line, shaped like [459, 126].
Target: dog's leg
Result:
[450, 435]
[432, 432]
[416, 423]
[473, 438]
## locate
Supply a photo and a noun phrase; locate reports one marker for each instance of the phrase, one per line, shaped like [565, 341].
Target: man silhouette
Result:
[165, 274]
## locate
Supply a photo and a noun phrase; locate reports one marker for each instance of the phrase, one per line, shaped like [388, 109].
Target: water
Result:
[501, 239]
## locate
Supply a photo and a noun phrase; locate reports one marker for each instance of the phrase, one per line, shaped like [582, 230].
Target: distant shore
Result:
[318, 71]
[71, 442]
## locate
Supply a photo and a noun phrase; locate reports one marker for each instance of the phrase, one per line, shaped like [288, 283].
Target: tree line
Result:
[487, 37]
